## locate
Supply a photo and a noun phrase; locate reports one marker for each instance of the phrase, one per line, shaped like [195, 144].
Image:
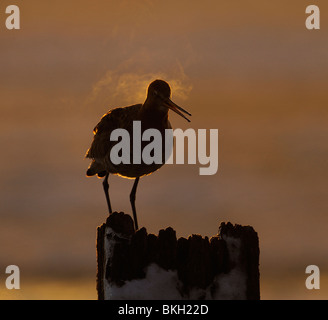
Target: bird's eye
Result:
[155, 93]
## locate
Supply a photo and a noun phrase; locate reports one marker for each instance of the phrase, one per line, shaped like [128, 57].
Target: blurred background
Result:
[247, 68]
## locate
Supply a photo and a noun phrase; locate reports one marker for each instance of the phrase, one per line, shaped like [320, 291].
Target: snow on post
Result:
[141, 266]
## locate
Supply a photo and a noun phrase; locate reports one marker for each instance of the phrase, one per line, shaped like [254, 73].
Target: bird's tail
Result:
[96, 168]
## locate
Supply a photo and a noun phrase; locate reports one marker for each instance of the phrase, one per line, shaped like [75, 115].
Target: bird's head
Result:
[159, 93]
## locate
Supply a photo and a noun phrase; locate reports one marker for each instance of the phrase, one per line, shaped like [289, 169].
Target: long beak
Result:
[171, 105]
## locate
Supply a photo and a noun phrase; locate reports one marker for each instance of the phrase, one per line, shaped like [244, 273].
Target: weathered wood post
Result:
[138, 265]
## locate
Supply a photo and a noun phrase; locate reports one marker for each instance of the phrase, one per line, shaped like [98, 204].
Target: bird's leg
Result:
[106, 187]
[133, 200]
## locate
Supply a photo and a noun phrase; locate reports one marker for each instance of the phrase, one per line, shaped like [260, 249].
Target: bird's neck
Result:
[152, 116]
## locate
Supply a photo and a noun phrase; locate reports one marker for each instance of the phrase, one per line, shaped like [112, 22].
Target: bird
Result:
[152, 114]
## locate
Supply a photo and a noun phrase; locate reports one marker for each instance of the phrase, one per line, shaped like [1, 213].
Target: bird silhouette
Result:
[152, 114]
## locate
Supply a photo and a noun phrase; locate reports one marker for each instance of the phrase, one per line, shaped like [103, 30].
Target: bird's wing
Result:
[114, 119]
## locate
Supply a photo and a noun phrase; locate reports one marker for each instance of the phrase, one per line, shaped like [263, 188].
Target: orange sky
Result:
[247, 68]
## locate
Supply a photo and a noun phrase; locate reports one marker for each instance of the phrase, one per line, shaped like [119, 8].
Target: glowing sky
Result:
[247, 68]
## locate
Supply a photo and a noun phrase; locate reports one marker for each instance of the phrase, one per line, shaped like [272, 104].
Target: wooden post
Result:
[138, 265]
